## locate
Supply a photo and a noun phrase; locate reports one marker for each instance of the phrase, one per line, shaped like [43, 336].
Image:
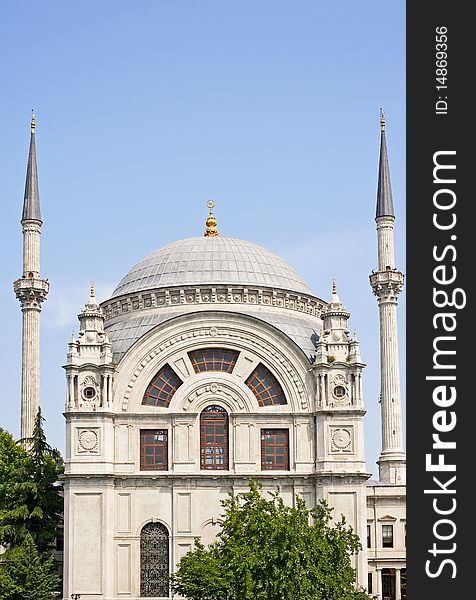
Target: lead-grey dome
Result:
[211, 260]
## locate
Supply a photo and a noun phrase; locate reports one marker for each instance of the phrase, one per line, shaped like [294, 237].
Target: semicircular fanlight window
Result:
[162, 387]
[265, 387]
[213, 359]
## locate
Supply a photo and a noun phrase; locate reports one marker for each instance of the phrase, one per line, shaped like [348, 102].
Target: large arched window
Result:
[162, 387]
[214, 438]
[213, 359]
[154, 561]
[265, 387]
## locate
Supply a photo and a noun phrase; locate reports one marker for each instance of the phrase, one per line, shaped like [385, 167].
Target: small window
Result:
[213, 359]
[387, 536]
[162, 388]
[89, 393]
[265, 387]
[153, 449]
[275, 449]
[369, 538]
[214, 438]
[339, 391]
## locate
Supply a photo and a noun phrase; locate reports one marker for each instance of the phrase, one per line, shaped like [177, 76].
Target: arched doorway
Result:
[154, 561]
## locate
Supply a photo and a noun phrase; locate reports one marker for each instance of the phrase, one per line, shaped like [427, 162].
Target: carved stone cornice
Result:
[386, 285]
[206, 295]
[31, 292]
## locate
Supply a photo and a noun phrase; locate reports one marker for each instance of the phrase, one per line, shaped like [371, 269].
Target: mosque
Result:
[213, 363]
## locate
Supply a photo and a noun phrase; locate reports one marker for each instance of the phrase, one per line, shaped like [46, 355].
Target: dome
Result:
[204, 260]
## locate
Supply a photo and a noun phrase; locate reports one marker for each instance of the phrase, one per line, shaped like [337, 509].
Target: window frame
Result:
[215, 361]
[263, 445]
[164, 446]
[388, 541]
[207, 419]
[262, 377]
[171, 382]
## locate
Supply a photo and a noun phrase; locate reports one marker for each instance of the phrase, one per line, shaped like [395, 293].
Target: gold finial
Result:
[92, 298]
[33, 124]
[211, 222]
[334, 287]
[382, 121]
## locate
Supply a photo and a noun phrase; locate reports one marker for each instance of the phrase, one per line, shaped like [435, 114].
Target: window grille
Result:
[265, 387]
[213, 359]
[162, 387]
[153, 449]
[154, 561]
[275, 449]
[214, 438]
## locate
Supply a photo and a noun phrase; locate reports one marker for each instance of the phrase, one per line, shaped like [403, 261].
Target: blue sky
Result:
[145, 110]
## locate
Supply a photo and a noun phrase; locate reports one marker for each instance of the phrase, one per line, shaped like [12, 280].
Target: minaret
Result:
[31, 290]
[386, 284]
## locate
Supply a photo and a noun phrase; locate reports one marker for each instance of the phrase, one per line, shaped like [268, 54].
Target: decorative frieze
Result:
[210, 295]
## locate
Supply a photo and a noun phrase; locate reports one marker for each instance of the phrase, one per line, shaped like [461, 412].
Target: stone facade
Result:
[322, 417]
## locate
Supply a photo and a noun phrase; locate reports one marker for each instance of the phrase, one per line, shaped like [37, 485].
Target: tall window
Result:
[213, 359]
[153, 449]
[387, 536]
[214, 438]
[369, 583]
[275, 449]
[265, 387]
[162, 387]
[154, 561]
[369, 537]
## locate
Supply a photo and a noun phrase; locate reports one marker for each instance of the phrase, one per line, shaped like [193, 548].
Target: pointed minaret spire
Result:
[31, 290]
[31, 201]
[384, 190]
[386, 284]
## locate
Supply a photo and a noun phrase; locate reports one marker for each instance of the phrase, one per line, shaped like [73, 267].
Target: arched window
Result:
[162, 387]
[154, 561]
[214, 438]
[265, 387]
[213, 359]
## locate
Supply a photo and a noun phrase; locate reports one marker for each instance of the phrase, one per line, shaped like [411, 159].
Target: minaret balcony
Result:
[31, 291]
[387, 283]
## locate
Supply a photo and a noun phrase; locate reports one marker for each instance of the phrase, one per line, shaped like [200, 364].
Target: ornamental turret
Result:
[89, 367]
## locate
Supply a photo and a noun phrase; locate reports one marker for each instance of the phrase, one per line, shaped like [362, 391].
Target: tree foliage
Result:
[27, 575]
[269, 551]
[30, 491]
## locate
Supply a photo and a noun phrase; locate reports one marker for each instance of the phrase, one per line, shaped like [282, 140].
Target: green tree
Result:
[269, 551]
[30, 490]
[27, 575]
